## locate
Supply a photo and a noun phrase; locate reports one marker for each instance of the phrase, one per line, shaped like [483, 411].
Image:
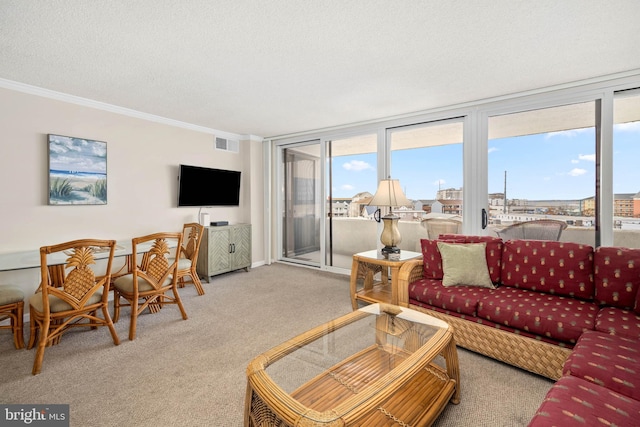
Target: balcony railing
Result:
[353, 235]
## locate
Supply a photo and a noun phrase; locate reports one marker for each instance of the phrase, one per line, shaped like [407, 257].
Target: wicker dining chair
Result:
[188, 256]
[12, 307]
[437, 226]
[153, 276]
[57, 307]
[540, 229]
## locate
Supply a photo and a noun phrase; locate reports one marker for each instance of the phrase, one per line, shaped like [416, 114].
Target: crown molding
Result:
[85, 102]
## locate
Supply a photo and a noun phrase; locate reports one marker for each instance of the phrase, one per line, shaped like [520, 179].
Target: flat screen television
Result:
[200, 186]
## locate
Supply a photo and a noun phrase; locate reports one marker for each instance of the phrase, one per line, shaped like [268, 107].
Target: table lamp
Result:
[390, 194]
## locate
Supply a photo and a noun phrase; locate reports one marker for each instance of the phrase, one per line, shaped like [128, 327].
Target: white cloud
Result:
[492, 149]
[587, 157]
[577, 172]
[347, 187]
[575, 161]
[357, 165]
[628, 127]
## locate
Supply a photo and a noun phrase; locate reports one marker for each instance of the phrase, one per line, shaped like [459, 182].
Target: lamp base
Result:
[390, 250]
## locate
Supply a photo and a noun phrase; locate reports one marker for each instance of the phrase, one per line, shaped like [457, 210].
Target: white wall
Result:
[142, 167]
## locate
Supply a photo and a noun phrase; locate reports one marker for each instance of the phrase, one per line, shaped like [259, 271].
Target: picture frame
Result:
[77, 171]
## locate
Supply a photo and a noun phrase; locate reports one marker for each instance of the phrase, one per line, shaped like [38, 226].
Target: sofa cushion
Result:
[617, 321]
[464, 264]
[551, 316]
[607, 360]
[493, 251]
[617, 276]
[459, 299]
[557, 268]
[575, 402]
[469, 318]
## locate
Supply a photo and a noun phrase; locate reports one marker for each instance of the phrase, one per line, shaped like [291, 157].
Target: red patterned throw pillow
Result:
[431, 259]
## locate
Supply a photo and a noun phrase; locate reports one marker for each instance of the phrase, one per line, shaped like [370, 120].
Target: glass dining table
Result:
[24, 260]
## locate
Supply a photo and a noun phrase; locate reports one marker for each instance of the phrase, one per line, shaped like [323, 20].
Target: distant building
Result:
[424, 205]
[452, 207]
[449, 194]
[450, 201]
[624, 204]
[358, 202]
[340, 207]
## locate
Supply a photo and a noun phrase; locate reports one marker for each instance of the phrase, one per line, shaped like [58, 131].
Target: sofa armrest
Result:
[409, 272]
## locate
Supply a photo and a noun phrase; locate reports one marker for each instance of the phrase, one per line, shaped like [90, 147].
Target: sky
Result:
[80, 155]
[548, 166]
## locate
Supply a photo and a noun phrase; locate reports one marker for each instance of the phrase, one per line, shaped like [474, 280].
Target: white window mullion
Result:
[606, 170]
[475, 172]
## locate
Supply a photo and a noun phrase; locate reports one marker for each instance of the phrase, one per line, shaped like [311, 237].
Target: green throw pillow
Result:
[464, 264]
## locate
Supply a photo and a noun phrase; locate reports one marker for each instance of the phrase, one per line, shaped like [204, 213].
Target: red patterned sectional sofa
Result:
[600, 385]
[562, 310]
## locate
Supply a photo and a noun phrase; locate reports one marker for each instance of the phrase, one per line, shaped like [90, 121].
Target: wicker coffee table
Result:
[379, 365]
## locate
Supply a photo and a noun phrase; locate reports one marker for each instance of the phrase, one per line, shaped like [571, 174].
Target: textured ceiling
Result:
[277, 67]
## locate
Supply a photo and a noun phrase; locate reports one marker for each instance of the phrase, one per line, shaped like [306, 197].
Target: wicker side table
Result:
[365, 266]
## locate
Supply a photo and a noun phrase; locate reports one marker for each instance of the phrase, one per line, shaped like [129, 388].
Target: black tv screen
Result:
[200, 186]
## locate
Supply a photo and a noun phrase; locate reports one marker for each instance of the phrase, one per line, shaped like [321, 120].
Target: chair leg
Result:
[112, 329]
[116, 306]
[176, 296]
[17, 323]
[34, 328]
[196, 282]
[134, 319]
[42, 343]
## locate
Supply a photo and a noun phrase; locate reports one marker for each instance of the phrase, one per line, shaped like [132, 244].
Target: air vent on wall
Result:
[227, 145]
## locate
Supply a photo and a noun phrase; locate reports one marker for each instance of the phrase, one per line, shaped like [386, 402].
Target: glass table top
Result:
[331, 368]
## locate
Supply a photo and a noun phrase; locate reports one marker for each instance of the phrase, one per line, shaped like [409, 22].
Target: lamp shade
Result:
[389, 193]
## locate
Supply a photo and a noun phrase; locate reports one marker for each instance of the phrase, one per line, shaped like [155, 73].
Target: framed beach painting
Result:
[77, 171]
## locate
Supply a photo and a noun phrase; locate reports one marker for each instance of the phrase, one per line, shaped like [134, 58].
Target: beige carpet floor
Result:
[192, 373]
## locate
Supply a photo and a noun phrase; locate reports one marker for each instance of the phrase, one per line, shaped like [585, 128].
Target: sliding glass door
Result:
[301, 203]
[324, 225]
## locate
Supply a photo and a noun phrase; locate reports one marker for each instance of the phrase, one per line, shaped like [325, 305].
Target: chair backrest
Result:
[540, 229]
[192, 236]
[77, 282]
[155, 266]
[437, 226]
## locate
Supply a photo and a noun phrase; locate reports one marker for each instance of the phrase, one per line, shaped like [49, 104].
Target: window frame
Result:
[475, 117]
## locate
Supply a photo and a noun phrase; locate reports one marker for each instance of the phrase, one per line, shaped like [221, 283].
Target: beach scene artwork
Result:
[77, 171]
